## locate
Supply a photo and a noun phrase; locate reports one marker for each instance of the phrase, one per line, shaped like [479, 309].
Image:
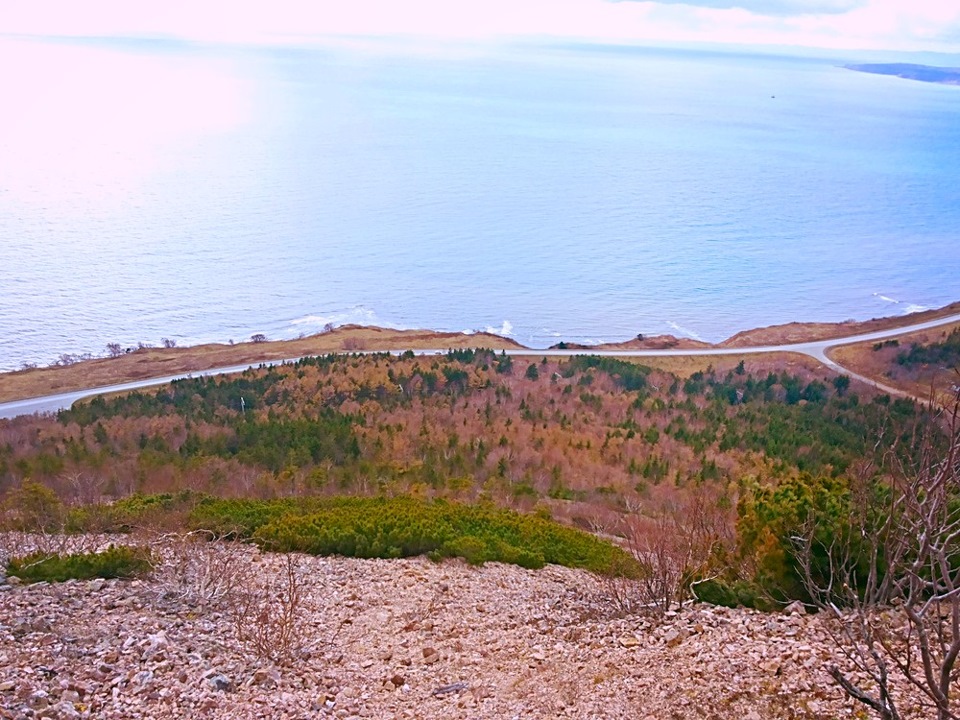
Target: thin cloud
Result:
[905, 25]
[779, 8]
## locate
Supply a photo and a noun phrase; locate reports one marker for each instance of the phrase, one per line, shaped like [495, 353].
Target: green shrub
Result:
[166, 510]
[369, 527]
[732, 594]
[34, 507]
[771, 517]
[946, 353]
[242, 517]
[114, 562]
[472, 549]
[405, 527]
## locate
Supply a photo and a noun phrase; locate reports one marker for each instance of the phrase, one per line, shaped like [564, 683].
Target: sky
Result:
[899, 25]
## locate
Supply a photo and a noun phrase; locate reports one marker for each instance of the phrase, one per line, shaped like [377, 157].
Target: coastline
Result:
[151, 363]
[911, 71]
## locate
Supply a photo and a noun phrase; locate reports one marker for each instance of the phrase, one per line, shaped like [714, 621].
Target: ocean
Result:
[160, 189]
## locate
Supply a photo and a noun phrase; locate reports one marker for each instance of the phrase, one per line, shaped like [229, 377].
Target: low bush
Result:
[733, 593]
[242, 517]
[32, 507]
[404, 527]
[164, 511]
[366, 527]
[114, 562]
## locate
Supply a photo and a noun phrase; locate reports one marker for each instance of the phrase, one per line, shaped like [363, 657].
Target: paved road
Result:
[816, 349]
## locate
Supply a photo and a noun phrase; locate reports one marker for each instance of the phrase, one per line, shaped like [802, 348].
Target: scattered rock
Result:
[452, 688]
[38, 700]
[122, 650]
[795, 608]
[65, 711]
[674, 636]
[143, 677]
[266, 677]
[221, 683]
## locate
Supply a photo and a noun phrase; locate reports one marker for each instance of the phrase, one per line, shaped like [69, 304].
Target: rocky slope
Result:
[392, 639]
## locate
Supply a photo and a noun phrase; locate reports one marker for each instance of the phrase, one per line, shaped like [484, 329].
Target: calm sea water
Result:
[152, 190]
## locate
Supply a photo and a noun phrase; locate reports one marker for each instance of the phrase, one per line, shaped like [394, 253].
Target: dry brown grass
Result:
[160, 362]
[684, 366]
[656, 342]
[806, 332]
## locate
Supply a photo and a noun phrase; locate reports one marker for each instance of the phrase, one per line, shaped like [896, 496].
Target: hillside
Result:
[405, 639]
[137, 363]
[613, 447]
[586, 437]
[805, 331]
[649, 522]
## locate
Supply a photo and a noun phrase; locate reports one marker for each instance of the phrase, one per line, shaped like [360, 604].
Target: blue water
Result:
[152, 189]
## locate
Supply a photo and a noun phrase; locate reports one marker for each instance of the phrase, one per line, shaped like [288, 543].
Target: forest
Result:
[613, 447]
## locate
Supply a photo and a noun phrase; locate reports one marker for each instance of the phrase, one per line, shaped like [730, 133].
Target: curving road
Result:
[816, 349]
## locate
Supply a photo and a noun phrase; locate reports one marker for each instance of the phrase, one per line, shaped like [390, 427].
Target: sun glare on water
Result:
[90, 125]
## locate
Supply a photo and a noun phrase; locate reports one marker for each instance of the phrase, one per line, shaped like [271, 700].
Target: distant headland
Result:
[923, 73]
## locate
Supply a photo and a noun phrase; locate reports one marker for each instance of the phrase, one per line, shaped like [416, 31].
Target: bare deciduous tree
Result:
[84, 488]
[674, 548]
[892, 583]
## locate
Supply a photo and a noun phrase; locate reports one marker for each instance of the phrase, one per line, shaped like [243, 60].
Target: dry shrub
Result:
[678, 546]
[84, 489]
[198, 571]
[893, 583]
[33, 508]
[620, 594]
[13, 544]
[268, 621]
[353, 344]
[267, 615]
